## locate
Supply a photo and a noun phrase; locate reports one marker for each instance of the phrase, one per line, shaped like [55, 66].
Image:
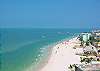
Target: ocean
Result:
[21, 48]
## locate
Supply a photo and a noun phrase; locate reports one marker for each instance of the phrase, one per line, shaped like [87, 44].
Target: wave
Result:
[14, 48]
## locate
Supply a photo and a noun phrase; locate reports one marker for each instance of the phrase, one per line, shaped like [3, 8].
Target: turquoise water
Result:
[21, 48]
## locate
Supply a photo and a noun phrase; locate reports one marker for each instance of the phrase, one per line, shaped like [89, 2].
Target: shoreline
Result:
[58, 57]
[44, 61]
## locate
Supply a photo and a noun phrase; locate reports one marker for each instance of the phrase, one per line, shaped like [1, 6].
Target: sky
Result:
[50, 13]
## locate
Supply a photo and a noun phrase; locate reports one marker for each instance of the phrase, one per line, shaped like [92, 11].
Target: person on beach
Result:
[58, 48]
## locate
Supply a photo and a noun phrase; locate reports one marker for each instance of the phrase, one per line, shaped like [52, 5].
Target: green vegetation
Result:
[87, 43]
[91, 39]
[81, 39]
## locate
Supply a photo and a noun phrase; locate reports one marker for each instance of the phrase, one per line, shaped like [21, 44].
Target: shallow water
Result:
[21, 48]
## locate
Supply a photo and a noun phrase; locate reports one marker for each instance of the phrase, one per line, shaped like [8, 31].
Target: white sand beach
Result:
[62, 55]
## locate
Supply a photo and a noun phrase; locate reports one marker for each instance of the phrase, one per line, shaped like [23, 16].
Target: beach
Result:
[30, 51]
[62, 56]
